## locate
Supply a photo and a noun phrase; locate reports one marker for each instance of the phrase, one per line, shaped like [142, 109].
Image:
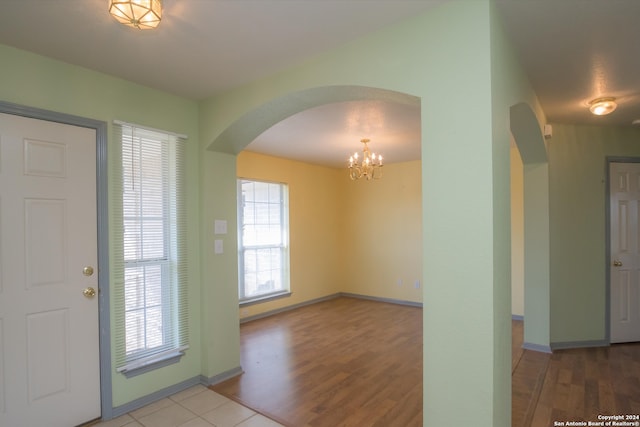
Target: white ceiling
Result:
[201, 47]
[329, 134]
[572, 50]
[577, 50]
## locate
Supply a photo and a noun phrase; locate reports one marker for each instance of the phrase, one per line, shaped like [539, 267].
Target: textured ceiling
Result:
[572, 51]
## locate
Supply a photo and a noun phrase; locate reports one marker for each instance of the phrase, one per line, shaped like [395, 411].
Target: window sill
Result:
[265, 298]
[139, 368]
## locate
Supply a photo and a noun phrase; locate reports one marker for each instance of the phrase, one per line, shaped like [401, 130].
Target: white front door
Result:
[625, 252]
[49, 335]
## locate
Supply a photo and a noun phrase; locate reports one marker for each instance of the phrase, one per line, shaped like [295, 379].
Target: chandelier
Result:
[140, 14]
[369, 167]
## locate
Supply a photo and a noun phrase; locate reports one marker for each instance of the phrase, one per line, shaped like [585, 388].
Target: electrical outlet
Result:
[399, 282]
[417, 284]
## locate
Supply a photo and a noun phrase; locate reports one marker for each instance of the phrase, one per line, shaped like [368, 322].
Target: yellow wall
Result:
[346, 236]
[315, 226]
[384, 234]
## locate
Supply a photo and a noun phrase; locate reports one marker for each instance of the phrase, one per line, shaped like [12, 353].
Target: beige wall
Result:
[346, 236]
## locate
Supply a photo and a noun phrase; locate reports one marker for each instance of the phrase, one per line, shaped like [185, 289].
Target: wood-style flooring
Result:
[576, 385]
[340, 362]
[356, 362]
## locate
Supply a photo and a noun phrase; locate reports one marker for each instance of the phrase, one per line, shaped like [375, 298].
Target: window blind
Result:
[150, 269]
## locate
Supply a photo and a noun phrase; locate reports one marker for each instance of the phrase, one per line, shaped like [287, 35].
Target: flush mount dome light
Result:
[602, 106]
[140, 14]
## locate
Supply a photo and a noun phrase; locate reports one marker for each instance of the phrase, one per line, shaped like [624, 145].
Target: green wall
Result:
[510, 86]
[578, 189]
[456, 60]
[40, 82]
[525, 127]
[219, 287]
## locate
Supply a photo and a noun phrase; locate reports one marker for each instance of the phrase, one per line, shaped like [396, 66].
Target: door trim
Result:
[106, 402]
[609, 160]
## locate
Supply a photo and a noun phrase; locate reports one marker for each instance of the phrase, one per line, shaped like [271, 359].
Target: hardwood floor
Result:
[354, 362]
[343, 362]
[581, 384]
[573, 385]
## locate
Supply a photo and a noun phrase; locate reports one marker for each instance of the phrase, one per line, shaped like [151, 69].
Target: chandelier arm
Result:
[369, 166]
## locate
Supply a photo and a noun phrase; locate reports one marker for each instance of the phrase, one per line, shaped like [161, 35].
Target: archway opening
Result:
[531, 146]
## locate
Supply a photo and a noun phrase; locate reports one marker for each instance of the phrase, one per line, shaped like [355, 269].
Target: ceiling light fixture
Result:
[140, 14]
[602, 106]
[370, 166]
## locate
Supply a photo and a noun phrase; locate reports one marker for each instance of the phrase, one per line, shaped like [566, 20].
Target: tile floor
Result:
[194, 407]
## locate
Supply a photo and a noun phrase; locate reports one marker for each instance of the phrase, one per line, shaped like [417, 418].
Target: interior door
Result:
[49, 335]
[625, 252]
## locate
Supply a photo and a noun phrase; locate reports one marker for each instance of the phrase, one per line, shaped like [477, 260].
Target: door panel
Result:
[45, 242]
[47, 354]
[49, 334]
[625, 252]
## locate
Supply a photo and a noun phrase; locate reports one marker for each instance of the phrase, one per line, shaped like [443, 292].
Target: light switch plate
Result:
[220, 226]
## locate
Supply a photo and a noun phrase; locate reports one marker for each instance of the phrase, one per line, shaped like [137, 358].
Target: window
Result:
[263, 236]
[150, 261]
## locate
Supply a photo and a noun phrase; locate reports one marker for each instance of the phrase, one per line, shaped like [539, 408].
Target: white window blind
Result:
[150, 269]
[263, 239]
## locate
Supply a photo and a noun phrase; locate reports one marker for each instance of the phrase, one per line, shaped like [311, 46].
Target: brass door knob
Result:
[89, 292]
[617, 263]
[87, 271]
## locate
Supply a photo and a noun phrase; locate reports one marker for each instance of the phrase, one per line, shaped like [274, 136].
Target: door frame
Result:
[607, 317]
[100, 127]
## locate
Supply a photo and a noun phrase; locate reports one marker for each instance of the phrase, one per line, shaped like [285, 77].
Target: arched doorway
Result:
[530, 142]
